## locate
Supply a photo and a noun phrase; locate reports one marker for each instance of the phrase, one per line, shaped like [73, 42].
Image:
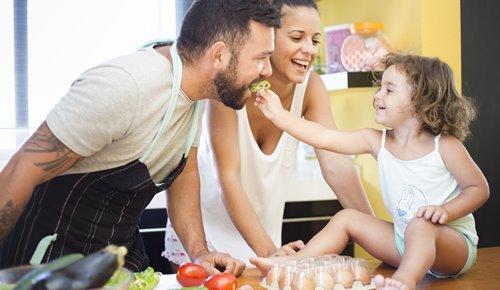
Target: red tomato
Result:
[191, 274]
[224, 281]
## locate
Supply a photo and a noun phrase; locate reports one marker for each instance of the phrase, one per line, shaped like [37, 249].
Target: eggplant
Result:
[27, 280]
[92, 271]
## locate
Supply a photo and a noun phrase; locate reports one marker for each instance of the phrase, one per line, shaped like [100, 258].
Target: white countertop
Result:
[168, 282]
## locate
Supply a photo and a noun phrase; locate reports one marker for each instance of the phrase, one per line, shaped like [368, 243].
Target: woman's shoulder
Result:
[315, 94]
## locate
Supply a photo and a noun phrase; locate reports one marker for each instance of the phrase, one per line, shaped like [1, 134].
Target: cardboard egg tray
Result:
[330, 272]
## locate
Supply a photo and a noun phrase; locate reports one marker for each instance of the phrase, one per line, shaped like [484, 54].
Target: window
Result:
[7, 108]
[64, 39]
[67, 37]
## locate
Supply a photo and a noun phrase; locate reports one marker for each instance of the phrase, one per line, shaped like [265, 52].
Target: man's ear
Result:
[219, 55]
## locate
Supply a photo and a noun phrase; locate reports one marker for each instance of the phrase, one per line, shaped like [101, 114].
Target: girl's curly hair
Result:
[435, 100]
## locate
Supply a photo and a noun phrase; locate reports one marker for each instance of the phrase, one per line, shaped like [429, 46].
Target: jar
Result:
[364, 47]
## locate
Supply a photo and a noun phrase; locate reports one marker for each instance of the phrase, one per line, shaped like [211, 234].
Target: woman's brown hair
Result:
[436, 101]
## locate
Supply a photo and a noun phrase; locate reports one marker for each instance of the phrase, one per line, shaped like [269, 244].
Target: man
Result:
[123, 132]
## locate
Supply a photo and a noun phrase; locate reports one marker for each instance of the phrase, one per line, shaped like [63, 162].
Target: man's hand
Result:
[289, 249]
[213, 262]
[433, 213]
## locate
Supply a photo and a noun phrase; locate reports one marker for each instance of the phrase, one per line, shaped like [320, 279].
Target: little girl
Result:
[429, 182]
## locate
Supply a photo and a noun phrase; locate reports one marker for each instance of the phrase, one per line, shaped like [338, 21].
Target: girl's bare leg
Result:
[427, 246]
[373, 234]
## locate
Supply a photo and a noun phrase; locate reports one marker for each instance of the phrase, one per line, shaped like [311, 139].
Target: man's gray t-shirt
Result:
[112, 112]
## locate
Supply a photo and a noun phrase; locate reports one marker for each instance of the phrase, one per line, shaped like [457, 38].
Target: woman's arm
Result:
[337, 169]
[475, 189]
[224, 141]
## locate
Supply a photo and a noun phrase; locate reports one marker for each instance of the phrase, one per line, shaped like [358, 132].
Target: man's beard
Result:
[228, 92]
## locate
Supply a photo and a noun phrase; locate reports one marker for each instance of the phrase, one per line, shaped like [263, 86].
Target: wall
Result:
[480, 58]
[424, 27]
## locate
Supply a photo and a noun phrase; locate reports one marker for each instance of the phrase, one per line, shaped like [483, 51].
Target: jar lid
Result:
[368, 26]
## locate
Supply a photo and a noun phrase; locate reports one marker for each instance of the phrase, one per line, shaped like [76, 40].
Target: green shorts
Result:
[471, 255]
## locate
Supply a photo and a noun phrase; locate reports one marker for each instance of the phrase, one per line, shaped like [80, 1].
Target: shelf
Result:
[344, 80]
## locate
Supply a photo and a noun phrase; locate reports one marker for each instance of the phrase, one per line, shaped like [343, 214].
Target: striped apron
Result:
[83, 213]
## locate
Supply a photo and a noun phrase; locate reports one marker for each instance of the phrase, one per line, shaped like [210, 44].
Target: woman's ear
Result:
[219, 55]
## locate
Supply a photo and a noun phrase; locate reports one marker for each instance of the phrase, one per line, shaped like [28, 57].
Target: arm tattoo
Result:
[8, 217]
[43, 141]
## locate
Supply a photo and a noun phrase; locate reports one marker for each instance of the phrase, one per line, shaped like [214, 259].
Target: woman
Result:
[245, 161]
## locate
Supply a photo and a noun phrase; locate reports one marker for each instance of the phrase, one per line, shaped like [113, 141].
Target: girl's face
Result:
[393, 100]
[297, 43]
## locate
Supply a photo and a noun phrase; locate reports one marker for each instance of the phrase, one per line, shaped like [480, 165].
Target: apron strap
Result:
[41, 248]
[176, 87]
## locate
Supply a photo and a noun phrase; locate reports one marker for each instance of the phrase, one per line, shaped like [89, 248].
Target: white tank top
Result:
[265, 181]
[407, 185]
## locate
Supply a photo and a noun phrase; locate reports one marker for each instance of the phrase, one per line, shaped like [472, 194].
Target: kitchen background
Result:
[45, 45]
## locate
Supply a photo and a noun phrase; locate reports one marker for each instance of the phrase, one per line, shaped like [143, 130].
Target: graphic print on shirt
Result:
[412, 198]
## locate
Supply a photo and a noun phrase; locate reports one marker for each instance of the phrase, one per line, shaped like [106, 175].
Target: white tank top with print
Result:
[407, 185]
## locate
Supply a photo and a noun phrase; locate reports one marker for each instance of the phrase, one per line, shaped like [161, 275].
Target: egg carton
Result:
[330, 272]
[357, 285]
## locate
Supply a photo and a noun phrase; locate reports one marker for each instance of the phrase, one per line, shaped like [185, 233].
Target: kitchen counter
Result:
[483, 275]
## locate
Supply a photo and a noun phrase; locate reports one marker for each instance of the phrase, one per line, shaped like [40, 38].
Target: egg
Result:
[325, 280]
[303, 282]
[362, 274]
[285, 278]
[344, 277]
[276, 275]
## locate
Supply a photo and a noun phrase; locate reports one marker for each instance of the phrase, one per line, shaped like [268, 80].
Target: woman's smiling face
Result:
[297, 43]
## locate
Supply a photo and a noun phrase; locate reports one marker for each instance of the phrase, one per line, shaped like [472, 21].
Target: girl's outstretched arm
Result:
[316, 135]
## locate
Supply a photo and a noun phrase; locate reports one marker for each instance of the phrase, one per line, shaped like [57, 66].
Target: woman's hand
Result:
[289, 249]
[269, 103]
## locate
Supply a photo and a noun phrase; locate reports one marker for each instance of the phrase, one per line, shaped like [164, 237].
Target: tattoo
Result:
[43, 141]
[8, 217]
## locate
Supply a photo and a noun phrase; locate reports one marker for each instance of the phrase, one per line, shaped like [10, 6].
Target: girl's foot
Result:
[382, 283]
[263, 264]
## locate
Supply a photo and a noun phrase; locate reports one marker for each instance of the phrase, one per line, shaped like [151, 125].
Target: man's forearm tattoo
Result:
[43, 141]
[9, 214]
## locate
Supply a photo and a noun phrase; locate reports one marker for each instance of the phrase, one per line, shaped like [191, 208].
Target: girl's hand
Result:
[269, 103]
[433, 213]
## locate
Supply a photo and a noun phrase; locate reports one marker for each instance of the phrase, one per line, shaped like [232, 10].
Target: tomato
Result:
[224, 281]
[191, 274]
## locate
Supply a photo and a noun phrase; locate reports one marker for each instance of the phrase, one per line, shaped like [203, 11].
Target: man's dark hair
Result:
[209, 21]
[295, 3]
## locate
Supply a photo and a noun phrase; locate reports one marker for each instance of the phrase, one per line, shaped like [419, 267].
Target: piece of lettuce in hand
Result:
[257, 86]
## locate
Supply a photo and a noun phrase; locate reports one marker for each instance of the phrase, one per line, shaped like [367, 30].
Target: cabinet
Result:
[301, 220]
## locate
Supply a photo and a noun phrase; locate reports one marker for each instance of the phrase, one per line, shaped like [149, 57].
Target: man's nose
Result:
[266, 69]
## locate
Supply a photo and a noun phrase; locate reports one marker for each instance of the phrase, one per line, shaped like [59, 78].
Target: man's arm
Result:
[42, 157]
[184, 212]
[337, 169]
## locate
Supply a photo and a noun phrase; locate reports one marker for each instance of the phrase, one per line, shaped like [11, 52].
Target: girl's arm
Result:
[338, 170]
[222, 124]
[316, 135]
[475, 189]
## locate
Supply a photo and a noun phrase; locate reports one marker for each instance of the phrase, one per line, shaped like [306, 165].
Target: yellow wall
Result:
[427, 27]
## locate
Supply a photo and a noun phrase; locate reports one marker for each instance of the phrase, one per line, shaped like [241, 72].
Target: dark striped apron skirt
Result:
[87, 212]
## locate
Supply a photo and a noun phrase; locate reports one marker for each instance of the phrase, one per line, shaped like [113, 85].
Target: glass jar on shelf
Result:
[364, 47]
